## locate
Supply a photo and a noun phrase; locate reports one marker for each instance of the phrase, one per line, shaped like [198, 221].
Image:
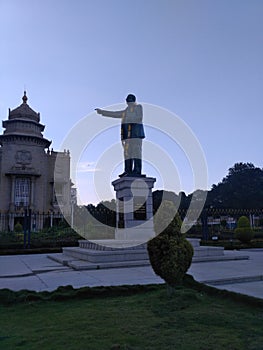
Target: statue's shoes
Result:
[123, 174]
[132, 174]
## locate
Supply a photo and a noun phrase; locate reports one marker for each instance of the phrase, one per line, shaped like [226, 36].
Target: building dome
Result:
[24, 111]
[23, 124]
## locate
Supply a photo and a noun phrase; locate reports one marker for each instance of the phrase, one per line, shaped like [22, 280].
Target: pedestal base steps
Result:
[102, 254]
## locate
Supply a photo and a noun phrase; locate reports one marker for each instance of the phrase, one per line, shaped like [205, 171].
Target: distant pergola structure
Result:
[211, 211]
[215, 212]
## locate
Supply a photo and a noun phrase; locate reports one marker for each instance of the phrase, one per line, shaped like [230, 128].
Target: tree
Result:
[104, 212]
[162, 195]
[181, 201]
[242, 188]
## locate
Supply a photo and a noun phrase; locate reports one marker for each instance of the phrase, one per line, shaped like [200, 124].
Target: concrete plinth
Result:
[134, 212]
[102, 254]
[142, 232]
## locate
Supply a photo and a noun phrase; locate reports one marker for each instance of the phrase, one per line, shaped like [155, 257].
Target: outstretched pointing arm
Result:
[112, 114]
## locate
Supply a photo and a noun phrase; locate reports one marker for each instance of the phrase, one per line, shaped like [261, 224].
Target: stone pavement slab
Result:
[118, 276]
[25, 265]
[254, 289]
[12, 266]
[213, 272]
[53, 280]
[38, 273]
[24, 282]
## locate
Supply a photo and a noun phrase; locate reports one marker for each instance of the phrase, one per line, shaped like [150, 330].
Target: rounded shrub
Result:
[169, 252]
[243, 232]
[18, 227]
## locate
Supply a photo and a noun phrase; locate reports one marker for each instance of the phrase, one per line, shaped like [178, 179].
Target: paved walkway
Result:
[39, 273]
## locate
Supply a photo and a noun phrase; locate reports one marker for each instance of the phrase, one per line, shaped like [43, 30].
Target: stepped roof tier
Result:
[24, 111]
[24, 124]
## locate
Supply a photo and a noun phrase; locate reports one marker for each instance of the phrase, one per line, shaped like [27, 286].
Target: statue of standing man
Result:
[132, 133]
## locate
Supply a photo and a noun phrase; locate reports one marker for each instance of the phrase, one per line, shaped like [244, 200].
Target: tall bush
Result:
[170, 253]
[18, 227]
[243, 232]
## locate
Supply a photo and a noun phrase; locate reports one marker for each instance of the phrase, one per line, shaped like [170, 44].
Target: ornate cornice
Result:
[11, 138]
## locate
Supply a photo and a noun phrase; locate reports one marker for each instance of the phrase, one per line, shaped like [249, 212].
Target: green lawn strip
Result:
[136, 317]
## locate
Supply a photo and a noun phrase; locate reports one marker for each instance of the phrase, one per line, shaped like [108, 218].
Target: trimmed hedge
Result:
[170, 257]
[170, 253]
[53, 239]
[243, 232]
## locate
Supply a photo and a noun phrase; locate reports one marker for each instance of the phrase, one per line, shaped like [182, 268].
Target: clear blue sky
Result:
[200, 59]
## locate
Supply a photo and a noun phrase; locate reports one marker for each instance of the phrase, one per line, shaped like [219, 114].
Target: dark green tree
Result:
[242, 188]
[104, 212]
[162, 195]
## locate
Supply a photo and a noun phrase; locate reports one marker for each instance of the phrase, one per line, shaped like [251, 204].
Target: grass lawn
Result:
[148, 319]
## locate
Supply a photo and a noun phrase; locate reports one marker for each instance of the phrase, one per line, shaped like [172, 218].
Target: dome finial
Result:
[24, 98]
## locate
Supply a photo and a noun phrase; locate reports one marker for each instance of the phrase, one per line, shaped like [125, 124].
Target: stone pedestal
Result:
[134, 211]
[103, 254]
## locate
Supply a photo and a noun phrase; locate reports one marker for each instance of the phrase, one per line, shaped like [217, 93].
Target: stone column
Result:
[39, 221]
[134, 218]
[12, 198]
[32, 193]
[11, 221]
[2, 228]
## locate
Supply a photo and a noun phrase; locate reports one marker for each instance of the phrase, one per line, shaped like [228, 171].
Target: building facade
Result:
[31, 175]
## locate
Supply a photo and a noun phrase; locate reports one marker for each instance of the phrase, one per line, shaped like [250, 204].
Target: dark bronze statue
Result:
[132, 133]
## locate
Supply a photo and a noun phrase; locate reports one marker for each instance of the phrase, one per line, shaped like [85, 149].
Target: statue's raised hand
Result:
[98, 110]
